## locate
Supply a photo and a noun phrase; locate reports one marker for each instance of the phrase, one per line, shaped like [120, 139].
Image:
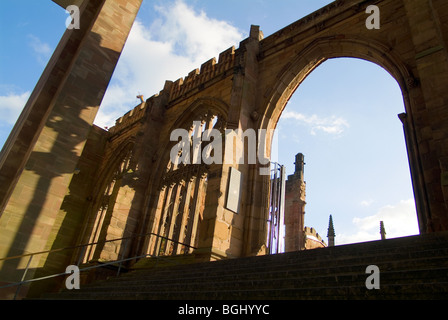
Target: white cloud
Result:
[366, 203]
[332, 125]
[193, 34]
[11, 106]
[172, 46]
[42, 50]
[399, 220]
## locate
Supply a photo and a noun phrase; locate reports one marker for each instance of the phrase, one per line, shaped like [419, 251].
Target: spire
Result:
[331, 234]
[382, 231]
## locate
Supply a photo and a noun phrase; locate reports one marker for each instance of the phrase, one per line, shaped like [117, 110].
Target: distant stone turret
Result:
[299, 166]
[295, 201]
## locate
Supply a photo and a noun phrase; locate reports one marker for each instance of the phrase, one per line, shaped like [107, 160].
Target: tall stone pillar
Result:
[295, 207]
[40, 156]
[223, 232]
[430, 101]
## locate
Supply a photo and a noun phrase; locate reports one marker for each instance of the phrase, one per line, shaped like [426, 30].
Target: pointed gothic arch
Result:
[322, 49]
[178, 208]
[101, 210]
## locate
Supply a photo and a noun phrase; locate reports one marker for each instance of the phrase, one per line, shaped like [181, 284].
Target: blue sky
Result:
[343, 117]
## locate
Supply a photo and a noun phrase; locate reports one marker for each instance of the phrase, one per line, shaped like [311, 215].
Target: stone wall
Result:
[40, 156]
[248, 87]
[313, 239]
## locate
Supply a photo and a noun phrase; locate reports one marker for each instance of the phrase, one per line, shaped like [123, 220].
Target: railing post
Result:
[23, 277]
[122, 255]
[81, 255]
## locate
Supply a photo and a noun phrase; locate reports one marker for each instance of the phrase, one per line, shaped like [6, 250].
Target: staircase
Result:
[410, 268]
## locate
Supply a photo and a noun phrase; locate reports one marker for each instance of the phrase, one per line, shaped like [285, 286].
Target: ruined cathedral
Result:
[72, 193]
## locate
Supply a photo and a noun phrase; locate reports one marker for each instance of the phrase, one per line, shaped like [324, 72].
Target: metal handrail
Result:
[23, 281]
[80, 270]
[94, 243]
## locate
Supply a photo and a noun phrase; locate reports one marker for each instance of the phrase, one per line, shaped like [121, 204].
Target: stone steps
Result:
[403, 291]
[217, 273]
[282, 281]
[301, 259]
[410, 268]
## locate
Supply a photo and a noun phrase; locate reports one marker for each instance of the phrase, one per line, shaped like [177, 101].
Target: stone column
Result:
[41, 154]
[184, 212]
[295, 207]
[224, 233]
[430, 113]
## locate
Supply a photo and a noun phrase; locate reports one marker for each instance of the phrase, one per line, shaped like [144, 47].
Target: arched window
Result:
[104, 204]
[182, 192]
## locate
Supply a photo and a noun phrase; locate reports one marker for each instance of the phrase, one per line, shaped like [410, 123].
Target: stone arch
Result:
[191, 113]
[113, 161]
[101, 210]
[297, 69]
[318, 51]
[198, 106]
[182, 189]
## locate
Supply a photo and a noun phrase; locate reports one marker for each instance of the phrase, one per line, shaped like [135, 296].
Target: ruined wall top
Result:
[129, 118]
[309, 231]
[213, 70]
[208, 71]
[197, 78]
